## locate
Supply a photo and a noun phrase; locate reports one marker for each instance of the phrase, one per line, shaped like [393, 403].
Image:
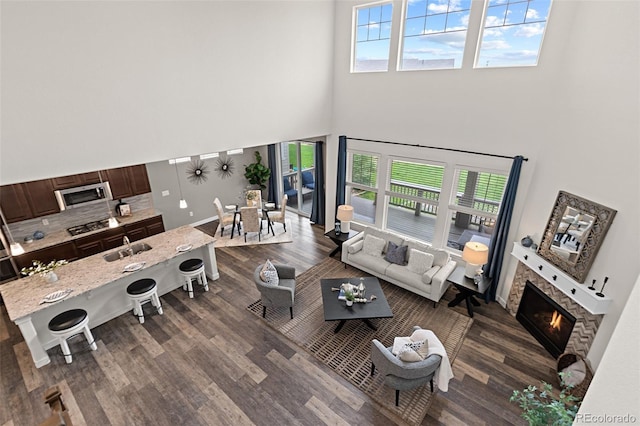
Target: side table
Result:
[339, 239]
[467, 289]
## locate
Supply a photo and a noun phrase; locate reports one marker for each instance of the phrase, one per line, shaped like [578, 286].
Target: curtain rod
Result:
[436, 147]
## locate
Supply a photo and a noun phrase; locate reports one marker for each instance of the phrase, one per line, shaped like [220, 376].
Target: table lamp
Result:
[345, 216]
[476, 255]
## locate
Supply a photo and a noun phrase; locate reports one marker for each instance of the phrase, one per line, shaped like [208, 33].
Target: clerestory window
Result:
[372, 37]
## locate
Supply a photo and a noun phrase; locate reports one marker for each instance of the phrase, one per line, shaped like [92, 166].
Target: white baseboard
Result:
[502, 302]
[203, 221]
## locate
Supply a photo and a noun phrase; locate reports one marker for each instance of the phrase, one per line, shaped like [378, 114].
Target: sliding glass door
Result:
[297, 162]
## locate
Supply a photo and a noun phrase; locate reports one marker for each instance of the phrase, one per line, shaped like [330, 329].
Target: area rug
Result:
[252, 237]
[348, 351]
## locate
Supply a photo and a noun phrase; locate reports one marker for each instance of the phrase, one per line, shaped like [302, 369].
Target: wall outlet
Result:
[190, 213]
[45, 221]
[165, 193]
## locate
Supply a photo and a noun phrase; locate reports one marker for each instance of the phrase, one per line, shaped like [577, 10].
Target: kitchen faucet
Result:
[126, 241]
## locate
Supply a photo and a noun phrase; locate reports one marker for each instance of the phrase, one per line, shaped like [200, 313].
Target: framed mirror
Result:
[574, 234]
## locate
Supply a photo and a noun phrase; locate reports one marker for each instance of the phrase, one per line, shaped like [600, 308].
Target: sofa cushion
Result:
[385, 235]
[419, 261]
[376, 264]
[355, 247]
[373, 245]
[427, 277]
[395, 253]
[440, 257]
[410, 279]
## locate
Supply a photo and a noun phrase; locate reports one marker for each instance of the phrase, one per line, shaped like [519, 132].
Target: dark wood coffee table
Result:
[337, 310]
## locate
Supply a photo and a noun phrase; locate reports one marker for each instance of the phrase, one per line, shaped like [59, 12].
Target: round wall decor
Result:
[224, 167]
[197, 172]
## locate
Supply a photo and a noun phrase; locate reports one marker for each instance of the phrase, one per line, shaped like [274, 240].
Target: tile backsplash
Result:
[78, 216]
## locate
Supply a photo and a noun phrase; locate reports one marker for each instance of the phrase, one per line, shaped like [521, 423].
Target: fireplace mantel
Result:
[579, 293]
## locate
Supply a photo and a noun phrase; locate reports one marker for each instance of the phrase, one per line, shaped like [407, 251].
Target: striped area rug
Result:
[348, 351]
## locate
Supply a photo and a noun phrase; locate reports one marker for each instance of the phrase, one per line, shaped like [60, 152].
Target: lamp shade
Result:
[475, 253]
[345, 213]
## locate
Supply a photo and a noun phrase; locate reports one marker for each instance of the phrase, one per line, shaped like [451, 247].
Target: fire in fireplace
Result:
[547, 321]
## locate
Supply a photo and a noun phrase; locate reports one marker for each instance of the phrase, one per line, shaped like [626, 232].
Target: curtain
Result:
[501, 231]
[317, 207]
[342, 171]
[272, 186]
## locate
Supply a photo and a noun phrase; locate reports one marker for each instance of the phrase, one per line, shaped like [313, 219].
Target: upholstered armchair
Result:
[401, 375]
[281, 295]
[224, 218]
[279, 216]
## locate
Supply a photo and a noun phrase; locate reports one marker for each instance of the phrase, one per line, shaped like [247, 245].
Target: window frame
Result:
[354, 34]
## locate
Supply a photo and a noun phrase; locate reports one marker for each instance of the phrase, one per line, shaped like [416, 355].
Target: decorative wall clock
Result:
[197, 172]
[224, 167]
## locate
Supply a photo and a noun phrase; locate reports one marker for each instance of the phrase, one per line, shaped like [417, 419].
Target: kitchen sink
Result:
[124, 252]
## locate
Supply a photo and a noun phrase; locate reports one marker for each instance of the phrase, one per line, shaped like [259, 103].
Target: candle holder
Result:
[593, 285]
[600, 293]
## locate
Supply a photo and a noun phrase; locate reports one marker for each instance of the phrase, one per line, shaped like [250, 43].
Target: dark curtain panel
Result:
[499, 241]
[272, 187]
[317, 207]
[342, 171]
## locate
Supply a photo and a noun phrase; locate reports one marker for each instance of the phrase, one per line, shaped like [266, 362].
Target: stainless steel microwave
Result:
[83, 195]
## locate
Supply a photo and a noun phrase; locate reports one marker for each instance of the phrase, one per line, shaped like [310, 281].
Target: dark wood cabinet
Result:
[64, 182]
[99, 242]
[128, 181]
[145, 228]
[14, 204]
[139, 179]
[66, 251]
[41, 199]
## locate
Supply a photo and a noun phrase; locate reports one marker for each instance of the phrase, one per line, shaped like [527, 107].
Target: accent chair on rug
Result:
[279, 216]
[224, 218]
[277, 286]
[410, 368]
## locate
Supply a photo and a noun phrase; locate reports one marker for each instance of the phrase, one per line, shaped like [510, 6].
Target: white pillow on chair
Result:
[269, 274]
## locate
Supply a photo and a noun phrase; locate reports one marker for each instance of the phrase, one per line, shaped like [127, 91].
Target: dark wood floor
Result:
[209, 361]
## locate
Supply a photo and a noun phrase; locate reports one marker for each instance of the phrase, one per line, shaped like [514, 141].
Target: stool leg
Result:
[190, 288]
[90, 339]
[155, 300]
[65, 350]
[205, 282]
[137, 307]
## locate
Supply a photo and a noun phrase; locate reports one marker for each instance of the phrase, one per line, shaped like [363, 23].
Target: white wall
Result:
[93, 85]
[574, 116]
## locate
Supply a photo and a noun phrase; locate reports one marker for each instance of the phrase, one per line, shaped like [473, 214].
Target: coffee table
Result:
[337, 310]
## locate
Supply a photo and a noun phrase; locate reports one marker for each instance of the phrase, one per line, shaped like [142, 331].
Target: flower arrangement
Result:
[42, 268]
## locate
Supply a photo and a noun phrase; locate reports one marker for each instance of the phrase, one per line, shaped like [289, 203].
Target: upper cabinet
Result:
[128, 181]
[28, 200]
[64, 182]
[14, 204]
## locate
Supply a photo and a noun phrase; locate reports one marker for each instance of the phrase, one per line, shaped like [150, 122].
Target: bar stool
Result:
[143, 291]
[68, 324]
[192, 269]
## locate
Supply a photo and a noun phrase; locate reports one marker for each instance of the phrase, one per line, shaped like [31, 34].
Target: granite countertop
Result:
[22, 297]
[58, 237]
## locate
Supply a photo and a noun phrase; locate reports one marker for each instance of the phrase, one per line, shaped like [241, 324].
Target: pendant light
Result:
[183, 202]
[113, 222]
[15, 248]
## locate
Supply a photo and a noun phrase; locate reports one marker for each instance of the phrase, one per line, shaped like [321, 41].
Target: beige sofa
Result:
[422, 270]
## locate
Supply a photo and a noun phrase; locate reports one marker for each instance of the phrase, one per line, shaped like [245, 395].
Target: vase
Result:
[51, 277]
[349, 302]
[526, 241]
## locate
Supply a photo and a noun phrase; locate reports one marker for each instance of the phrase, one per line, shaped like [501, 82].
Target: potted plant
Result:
[349, 297]
[542, 407]
[257, 173]
[44, 270]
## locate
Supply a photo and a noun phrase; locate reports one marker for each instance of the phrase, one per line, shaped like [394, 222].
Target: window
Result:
[372, 37]
[474, 206]
[435, 32]
[512, 33]
[413, 196]
[362, 186]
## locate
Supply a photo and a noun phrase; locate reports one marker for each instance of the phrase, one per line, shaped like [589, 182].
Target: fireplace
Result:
[546, 320]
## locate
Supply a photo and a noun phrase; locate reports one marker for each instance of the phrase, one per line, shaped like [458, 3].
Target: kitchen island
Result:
[100, 287]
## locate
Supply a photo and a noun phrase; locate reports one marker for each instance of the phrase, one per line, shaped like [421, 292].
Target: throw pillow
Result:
[269, 274]
[419, 261]
[395, 253]
[409, 352]
[421, 336]
[373, 245]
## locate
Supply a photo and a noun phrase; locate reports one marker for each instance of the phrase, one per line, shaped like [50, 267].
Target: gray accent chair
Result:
[282, 295]
[401, 375]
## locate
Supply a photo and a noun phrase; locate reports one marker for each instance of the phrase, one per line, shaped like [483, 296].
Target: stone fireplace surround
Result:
[586, 326]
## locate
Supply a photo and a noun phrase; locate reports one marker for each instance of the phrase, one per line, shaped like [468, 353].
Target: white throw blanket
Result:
[444, 373]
